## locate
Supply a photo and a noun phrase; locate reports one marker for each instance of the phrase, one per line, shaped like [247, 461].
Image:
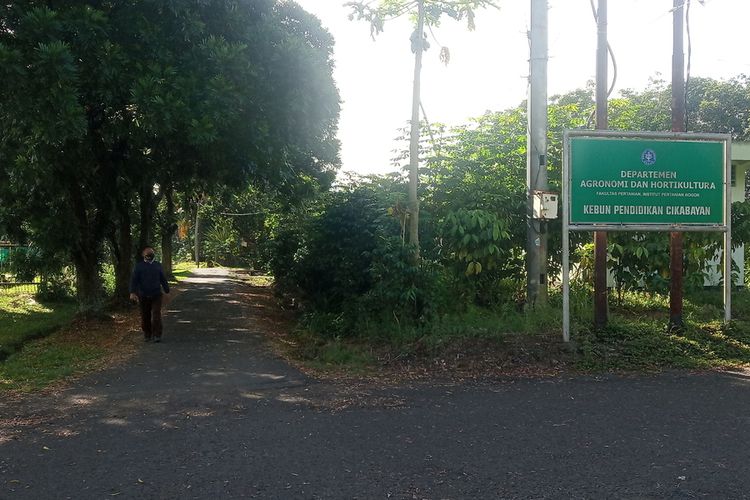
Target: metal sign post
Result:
[643, 181]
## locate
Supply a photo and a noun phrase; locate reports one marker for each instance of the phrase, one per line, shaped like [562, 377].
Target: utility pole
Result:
[536, 166]
[678, 125]
[600, 237]
[198, 231]
[418, 47]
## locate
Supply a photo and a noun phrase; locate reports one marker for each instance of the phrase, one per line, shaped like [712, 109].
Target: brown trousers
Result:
[151, 316]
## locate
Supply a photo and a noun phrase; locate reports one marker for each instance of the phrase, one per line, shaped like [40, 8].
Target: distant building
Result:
[740, 166]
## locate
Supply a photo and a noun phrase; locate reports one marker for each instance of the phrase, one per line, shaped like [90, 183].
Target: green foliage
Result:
[57, 284]
[333, 266]
[718, 106]
[285, 241]
[50, 271]
[639, 261]
[103, 101]
[23, 318]
[740, 223]
[41, 363]
[472, 237]
[408, 293]
[583, 272]
[222, 241]
[108, 278]
[386, 10]
[346, 259]
[25, 263]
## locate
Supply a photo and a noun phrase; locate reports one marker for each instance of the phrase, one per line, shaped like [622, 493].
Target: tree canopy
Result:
[103, 101]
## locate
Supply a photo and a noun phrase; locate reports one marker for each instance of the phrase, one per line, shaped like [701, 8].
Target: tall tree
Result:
[425, 13]
[106, 100]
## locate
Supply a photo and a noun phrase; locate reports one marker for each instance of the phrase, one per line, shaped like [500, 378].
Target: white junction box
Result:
[545, 204]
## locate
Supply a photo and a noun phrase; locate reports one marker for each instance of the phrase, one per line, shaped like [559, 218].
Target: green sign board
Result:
[643, 181]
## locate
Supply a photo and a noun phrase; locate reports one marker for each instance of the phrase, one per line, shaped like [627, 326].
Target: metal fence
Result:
[8, 283]
[18, 288]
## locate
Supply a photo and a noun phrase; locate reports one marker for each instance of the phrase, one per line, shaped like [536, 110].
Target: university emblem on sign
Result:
[648, 157]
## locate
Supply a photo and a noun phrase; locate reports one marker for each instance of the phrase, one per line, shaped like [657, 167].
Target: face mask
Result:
[149, 257]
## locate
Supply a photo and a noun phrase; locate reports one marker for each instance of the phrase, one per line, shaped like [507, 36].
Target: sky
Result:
[488, 70]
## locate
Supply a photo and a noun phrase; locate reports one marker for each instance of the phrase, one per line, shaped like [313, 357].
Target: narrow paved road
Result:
[212, 413]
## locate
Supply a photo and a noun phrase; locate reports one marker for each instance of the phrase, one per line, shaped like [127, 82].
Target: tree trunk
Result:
[167, 233]
[85, 256]
[88, 282]
[122, 250]
[418, 45]
[198, 232]
[146, 206]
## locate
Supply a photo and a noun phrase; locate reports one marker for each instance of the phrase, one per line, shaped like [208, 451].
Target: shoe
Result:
[157, 339]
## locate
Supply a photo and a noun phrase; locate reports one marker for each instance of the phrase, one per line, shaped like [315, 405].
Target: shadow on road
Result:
[212, 412]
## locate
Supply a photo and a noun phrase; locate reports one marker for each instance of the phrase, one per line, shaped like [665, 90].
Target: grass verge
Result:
[483, 342]
[41, 344]
[82, 346]
[506, 341]
[22, 317]
[637, 337]
[182, 270]
[41, 363]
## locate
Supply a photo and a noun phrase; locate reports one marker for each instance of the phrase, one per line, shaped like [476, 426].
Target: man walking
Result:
[145, 286]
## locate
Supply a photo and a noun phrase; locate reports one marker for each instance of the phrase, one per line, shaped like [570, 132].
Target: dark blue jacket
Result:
[148, 279]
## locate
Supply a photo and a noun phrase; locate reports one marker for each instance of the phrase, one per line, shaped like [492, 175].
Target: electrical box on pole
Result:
[545, 204]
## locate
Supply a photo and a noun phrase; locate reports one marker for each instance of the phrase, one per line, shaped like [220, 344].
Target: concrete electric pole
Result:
[536, 167]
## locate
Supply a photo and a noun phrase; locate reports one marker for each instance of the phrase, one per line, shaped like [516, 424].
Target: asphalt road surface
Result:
[212, 413]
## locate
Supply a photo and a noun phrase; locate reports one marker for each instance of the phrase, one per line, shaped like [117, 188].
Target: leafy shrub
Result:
[407, 292]
[221, 241]
[55, 277]
[477, 245]
[473, 238]
[284, 246]
[57, 285]
[26, 263]
[333, 263]
[350, 265]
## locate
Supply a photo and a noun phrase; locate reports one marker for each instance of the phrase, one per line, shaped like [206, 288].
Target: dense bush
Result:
[404, 291]
[345, 256]
[57, 284]
[348, 262]
[25, 263]
[334, 266]
[51, 271]
[222, 242]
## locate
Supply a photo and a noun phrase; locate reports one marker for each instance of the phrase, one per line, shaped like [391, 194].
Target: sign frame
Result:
[725, 227]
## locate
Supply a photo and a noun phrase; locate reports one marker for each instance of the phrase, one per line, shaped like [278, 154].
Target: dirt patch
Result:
[475, 358]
